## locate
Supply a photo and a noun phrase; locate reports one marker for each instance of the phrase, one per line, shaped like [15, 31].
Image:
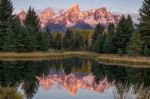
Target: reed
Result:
[131, 91]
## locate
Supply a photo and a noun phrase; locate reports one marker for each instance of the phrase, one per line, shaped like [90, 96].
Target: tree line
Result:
[20, 37]
[123, 38]
[26, 36]
[116, 39]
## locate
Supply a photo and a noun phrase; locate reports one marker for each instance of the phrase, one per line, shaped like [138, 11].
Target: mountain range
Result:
[75, 18]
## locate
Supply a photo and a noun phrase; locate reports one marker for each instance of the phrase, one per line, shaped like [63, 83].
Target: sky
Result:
[121, 6]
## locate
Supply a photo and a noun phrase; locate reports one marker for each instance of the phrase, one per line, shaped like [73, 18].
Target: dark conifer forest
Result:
[123, 38]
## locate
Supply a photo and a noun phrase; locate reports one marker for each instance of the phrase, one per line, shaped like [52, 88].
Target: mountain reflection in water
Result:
[82, 78]
[73, 82]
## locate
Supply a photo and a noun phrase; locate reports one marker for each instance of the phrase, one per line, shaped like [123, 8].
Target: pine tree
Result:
[98, 31]
[46, 38]
[68, 39]
[9, 43]
[26, 41]
[49, 38]
[98, 39]
[32, 26]
[135, 45]
[33, 46]
[98, 46]
[77, 42]
[108, 44]
[120, 41]
[144, 26]
[6, 10]
[41, 41]
[58, 41]
[123, 34]
[16, 28]
[146, 51]
[32, 20]
[130, 29]
[130, 25]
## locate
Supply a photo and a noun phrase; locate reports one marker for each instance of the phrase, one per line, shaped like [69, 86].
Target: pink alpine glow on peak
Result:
[74, 15]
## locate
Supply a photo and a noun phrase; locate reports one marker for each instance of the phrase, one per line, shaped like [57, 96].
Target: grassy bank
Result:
[102, 58]
[124, 60]
[45, 55]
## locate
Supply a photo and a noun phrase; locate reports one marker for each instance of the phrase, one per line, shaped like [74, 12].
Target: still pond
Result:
[74, 78]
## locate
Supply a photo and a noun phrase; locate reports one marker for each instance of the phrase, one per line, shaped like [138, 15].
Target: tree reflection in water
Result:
[72, 74]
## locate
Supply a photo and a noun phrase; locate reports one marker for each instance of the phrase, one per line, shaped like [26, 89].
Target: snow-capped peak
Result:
[74, 15]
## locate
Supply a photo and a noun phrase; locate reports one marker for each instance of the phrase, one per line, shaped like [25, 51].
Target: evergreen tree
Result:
[68, 39]
[51, 40]
[58, 41]
[78, 42]
[32, 36]
[26, 40]
[123, 34]
[120, 41]
[144, 26]
[6, 10]
[9, 41]
[41, 41]
[98, 38]
[32, 20]
[16, 28]
[44, 40]
[98, 31]
[98, 46]
[130, 25]
[135, 45]
[108, 44]
[47, 37]
[32, 26]
[146, 51]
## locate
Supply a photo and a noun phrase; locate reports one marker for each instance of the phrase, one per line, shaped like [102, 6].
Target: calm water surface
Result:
[75, 78]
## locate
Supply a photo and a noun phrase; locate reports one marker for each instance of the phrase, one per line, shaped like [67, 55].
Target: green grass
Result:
[102, 58]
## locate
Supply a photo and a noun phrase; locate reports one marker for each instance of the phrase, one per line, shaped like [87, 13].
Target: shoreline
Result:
[114, 59]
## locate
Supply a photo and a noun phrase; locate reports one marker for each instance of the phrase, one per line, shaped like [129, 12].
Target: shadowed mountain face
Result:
[62, 28]
[82, 26]
[74, 17]
[56, 27]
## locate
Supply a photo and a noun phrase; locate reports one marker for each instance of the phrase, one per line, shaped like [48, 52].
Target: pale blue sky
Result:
[123, 6]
